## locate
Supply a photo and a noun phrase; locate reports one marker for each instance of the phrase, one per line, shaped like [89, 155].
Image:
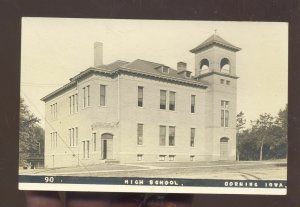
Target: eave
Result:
[123, 70]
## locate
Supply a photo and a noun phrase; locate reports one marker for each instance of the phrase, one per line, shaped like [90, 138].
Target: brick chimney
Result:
[181, 66]
[98, 54]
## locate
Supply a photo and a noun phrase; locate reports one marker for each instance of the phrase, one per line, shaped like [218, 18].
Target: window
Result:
[70, 104]
[165, 69]
[224, 113]
[171, 100]
[102, 95]
[171, 157]
[227, 82]
[73, 103]
[73, 136]
[192, 157]
[204, 66]
[139, 157]
[76, 102]
[140, 96]
[53, 111]
[162, 157]
[171, 136]
[192, 144]
[226, 118]
[53, 137]
[94, 139]
[140, 134]
[225, 66]
[162, 135]
[86, 149]
[86, 96]
[70, 136]
[163, 99]
[193, 98]
[222, 81]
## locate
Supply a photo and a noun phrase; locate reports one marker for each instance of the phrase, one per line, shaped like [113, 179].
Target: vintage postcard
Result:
[153, 106]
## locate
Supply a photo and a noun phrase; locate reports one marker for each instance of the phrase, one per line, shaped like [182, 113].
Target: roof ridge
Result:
[149, 61]
[117, 61]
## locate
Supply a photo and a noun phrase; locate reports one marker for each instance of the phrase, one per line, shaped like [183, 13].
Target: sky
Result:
[55, 49]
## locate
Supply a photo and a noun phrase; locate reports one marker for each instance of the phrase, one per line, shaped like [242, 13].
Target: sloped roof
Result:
[114, 65]
[215, 40]
[139, 67]
[151, 67]
[108, 68]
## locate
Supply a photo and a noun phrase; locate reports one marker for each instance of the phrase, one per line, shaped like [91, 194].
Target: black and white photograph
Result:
[158, 106]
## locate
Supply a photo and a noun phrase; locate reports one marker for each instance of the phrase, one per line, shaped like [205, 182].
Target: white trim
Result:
[150, 189]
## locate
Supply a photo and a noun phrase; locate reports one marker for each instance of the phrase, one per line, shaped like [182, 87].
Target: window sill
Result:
[86, 107]
[167, 110]
[103, 106]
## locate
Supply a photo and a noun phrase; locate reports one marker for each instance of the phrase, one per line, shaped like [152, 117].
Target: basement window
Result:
[192, 158]
[139, 157]
[171, 157]
[162, 157]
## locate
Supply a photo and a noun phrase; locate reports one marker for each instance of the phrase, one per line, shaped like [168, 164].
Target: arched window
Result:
[225, 65]
[106, 136]
[204, 66]
[224, 139]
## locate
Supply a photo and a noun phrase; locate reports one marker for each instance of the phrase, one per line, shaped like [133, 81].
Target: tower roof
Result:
[215, 40]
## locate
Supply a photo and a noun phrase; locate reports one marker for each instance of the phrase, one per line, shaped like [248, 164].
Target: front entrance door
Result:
[107, 146]
[224, 148]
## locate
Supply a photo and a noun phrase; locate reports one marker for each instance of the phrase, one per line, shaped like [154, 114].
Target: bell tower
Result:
[215, 64]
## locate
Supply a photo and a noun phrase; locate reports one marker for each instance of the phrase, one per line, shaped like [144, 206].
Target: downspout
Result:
[118, 119]
[118, 115]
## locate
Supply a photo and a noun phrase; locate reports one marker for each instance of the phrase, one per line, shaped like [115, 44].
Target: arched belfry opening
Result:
[225, 66]
[106, 146]
[224, 148]
[204, 66]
